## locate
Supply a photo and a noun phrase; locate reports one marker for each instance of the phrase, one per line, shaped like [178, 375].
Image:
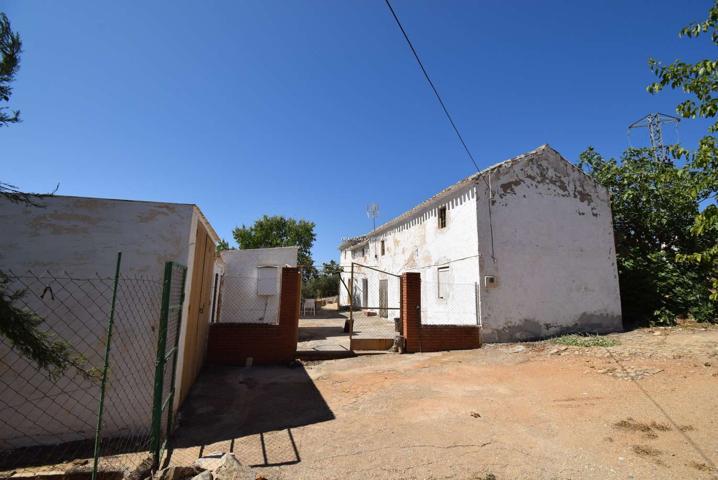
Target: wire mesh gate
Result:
[166, 363]
[374, 307]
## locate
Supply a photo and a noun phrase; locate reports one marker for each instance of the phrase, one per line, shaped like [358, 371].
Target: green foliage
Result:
[10, 48]
[654, 207]
[223, 245]
[23, 330]
[585, 341]
[325, 283]
[21, 327]
[700, 80]
[278, 231]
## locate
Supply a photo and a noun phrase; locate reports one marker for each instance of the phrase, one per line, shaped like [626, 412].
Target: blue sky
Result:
[313, 109]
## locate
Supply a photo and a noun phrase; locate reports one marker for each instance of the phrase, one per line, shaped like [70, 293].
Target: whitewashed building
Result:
[251, 284]
[63, 253]
[525, 249]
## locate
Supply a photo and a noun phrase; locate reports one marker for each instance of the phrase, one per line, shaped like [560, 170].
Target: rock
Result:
[177, 473]
[206, 475]
[518, 349]
[231, 469]
[142, 470]
[209, 461]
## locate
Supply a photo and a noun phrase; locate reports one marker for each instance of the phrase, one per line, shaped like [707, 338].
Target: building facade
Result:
[63, 251]
[524, 249]
[251, 284]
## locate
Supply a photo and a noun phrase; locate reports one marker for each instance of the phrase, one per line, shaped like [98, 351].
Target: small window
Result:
[382, 247]
[442, 282]
[442, 217]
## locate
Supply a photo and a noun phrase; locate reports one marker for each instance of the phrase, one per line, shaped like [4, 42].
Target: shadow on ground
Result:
[237, 408]
[320, 332]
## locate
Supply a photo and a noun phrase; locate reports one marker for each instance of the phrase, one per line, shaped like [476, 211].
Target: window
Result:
[442, 282]
[442, 217]
[382, 247]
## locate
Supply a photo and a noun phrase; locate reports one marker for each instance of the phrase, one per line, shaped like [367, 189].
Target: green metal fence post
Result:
[103, 385]
[176, 349]
[160, 367]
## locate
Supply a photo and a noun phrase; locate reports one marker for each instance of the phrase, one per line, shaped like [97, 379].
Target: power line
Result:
[436, 92]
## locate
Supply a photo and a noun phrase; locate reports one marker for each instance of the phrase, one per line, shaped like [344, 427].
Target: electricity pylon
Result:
[654, 122]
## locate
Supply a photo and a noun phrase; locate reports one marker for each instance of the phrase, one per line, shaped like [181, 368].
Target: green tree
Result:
[21, 327]
[223, 245]
[700, 81]
[325, 283]
[653, 213]
[278, 231]
[10, 49]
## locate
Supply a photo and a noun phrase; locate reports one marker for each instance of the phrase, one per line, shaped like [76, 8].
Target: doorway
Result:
[384, 298]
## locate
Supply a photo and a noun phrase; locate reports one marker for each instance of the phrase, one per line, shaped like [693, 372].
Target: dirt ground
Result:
[646, 408]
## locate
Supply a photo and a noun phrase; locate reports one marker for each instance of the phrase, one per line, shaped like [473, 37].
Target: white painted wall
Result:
[553, 251]
[418, 245]
[79, 238]
[240, 300]
[545, 235]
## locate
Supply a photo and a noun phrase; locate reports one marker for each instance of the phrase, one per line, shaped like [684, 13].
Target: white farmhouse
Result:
[524, 249]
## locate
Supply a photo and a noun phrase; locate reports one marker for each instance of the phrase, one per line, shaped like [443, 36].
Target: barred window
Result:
[442, 280]
[442, 217]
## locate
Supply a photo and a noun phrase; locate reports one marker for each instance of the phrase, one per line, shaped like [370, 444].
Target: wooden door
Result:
[384, 298]
[200, 303]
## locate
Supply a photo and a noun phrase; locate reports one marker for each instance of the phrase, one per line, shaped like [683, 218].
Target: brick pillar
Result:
[411, 310]
[289, 307]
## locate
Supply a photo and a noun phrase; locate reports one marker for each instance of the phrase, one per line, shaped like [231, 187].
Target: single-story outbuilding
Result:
[63, 252]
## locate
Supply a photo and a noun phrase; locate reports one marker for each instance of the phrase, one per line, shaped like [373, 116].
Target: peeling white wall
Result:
[419, 245]
[79, 238]
[240, 301]
[552, 252]
[545, 234]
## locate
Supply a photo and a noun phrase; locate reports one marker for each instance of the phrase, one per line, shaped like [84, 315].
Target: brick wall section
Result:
[233, 343]
[437, 338]
[430, 338]
[411, 310]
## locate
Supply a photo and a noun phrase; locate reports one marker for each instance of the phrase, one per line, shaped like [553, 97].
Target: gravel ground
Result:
[645, 408]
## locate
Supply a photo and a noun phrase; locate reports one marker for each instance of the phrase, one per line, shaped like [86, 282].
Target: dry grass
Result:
[585, 341]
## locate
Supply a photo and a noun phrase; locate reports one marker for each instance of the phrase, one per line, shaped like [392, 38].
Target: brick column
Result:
[411, 310]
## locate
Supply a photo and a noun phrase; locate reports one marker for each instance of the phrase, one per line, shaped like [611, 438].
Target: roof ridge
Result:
[349, 242]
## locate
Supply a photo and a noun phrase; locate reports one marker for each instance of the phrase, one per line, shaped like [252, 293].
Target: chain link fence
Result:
[376, 301]
[449, 303]
[246, 300]
[106, 329]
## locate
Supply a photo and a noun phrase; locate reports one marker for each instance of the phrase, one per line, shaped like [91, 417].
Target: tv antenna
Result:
[654, 123]
[372, 211]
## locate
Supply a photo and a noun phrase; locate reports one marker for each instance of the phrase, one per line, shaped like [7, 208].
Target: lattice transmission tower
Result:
[654, 123]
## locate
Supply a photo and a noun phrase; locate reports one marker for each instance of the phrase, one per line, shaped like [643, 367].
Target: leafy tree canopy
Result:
[325, 283]
[654, 209]
[700, 81]
[278, 231]
[10, 48]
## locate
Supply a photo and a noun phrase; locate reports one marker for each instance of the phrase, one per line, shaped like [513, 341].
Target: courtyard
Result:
[641, 408]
